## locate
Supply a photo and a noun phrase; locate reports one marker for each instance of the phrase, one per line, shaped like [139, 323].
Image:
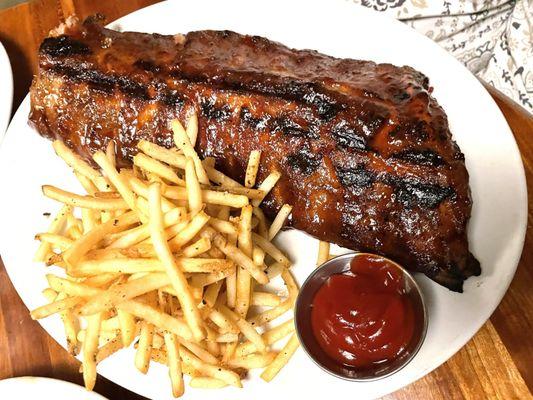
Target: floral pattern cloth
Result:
[493, 38]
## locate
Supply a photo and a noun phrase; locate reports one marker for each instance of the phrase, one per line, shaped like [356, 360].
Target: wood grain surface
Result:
[496, 364]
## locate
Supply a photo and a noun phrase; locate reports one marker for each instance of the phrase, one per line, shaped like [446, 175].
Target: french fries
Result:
[170, 256]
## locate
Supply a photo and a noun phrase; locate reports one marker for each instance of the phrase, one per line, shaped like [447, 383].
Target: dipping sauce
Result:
[363, 317]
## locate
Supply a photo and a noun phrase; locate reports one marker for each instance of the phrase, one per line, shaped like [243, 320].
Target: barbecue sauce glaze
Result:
[363, 317]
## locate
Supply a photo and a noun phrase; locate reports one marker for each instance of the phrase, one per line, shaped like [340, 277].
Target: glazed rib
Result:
[365, 152]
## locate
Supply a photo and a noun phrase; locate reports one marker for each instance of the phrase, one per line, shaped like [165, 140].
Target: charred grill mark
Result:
[62, 46]
[292, 128]
[211, 110]
[426, 195]
[346, 136]
[253, 122]
[409, 192]
[420, 157]
[304, 161]
[101, 81]
[358, 177]
[172, 98]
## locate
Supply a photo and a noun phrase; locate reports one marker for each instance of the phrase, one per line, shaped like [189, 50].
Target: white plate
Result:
[6, 91]
[339, 28]
[30, 387]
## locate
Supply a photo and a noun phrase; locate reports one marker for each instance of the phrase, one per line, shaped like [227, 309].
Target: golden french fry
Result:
[192, 129]
[265, 299]
[278, 222]
[199, 351]
[116, 179]
[55, 240]
[252, 168]
[239, 258]
[119, 293]
[270, 249]
[90, 349]
[211, 293]
[194, 193]
[244, 282]
[155, 317]
[219, 178]
[174, 364]
[110, 153]
[248, 192]
[323, 253]
[195, 249]
[156, 167]
[210, 370]
[269, 337]
[281, 359]
[86, 183]
[183, 142]
[81, 246]
[274, 270]
[230, 338]
[222, 198]
[258, 256]
[252, 361]
[127, 327]
[175, 274]
[108, 349]
[55, 227]
[203, 382]
[262, 226]
[168, 156]
[245, 327]
[186, 234]
[223, 226]
[267, 185]
[74, 161]
[55, 307]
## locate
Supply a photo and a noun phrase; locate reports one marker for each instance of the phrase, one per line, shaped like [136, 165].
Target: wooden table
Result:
[496, 364]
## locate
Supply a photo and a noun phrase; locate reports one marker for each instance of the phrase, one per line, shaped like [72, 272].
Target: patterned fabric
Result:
[493, 38]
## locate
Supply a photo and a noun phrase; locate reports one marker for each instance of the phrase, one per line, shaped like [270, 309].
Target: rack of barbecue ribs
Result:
[365, 152]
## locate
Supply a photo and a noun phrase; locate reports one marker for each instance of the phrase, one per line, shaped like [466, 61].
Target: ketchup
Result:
[363, 317]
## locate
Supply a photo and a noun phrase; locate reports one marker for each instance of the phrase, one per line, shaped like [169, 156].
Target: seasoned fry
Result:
[174, 364]
[55, 227]
[116, 179]
[74, 161]
[252, 168]
[203, 382]
[244, 283]
[173, 271]
[126, 291]
[90, 349]
[265, 299]
[108, 349]
[240, 258]
[269, 337]
[158, 168]
[194, 193]
[192, 129]
[281, 359]
[127, 326]
[161, 320]
[245, 327]
[213, 371]
[252, 361]
[55, 240]
[77, 200]
[270, 249]
[223, 198]
[262, 227]
[55, 307]
[110, 153]
[220, 179]
[323, 253]
[278, 222]
[183, 142]
[90, 239]
[267, 185]
[168, 156]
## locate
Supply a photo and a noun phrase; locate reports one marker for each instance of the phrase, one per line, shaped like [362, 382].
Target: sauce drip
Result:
[363, 317]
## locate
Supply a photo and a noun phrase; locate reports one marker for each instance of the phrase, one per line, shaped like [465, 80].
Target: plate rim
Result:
[520, 175]
[7, 72]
